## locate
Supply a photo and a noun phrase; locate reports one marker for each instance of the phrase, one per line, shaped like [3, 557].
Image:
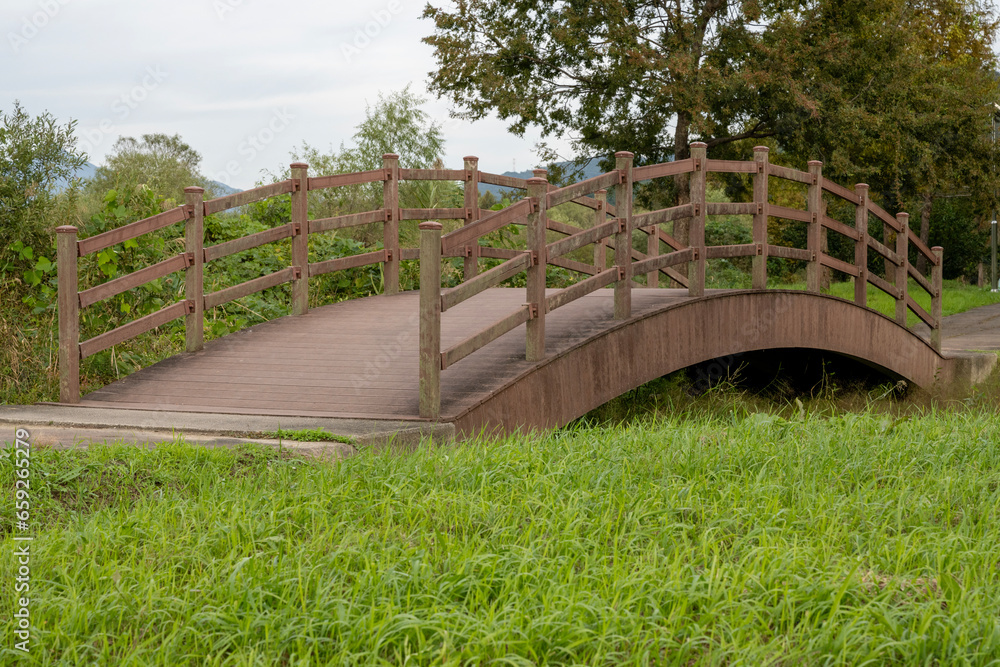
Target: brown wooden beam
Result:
[430, 320]
[194, 275]
[69, 314]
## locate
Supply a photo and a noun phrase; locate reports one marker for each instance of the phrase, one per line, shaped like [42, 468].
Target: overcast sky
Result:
[244, 82]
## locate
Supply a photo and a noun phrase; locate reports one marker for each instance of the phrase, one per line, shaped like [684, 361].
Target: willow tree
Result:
[839, 81]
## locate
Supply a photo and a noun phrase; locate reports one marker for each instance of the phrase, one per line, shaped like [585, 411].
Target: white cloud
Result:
[230, 66]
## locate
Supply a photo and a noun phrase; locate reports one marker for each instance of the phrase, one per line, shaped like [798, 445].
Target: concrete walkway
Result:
[70, 426]
[976, 330]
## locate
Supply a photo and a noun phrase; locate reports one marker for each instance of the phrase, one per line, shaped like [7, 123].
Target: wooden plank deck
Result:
[359, 359]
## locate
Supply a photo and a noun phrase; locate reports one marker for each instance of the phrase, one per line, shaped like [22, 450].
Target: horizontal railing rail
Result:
[246, 197]
[652, 171]
[471, 233]
[345, 221]
[227, 248]
[589, 186]
[131, 231]
[136, 279]
[484, 281]
[510, 182]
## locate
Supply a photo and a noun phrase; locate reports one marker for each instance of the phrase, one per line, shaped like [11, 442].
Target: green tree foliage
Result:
[163, 163]
[36, 154]
[396, 123]
[906, 107]
[964, 247]
[895, 92]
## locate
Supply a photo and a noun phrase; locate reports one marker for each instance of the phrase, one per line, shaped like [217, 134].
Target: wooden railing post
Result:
[623, 238]
[69, 314]
[890, 267]
[300, 242]
[652, 249]
[600, 217]
[472, 212]
[537, 223]
[696, 281]
[937, 274]
[390, 200]
[194, 275]
[430, 320]
[760, 156]
[814, 237]
[902, 249]
[861, 245]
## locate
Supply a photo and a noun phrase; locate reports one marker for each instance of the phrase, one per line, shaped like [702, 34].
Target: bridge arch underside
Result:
[572, 383]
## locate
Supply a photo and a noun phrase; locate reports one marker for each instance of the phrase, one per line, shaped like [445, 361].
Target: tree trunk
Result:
[925, 230]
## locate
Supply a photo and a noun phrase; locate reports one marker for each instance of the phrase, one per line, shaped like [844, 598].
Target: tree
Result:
[848, 82]
[36, 155]
[394, 124]
[912, 117]
[397, 124]
[165, 164]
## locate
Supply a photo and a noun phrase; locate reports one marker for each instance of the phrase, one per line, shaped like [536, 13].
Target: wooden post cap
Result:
[860, 186]
[937, 249]
[627, 154]
[390, 156]
[537, 180]
[815, 163]
[430, 226]
[194, 189]
[471, 158]
[759, 149]
[540, 173]
[699, 144]
[66, 229]
[299, 165]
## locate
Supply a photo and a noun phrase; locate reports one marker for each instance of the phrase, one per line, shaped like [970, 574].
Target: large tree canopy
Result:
[894, 92]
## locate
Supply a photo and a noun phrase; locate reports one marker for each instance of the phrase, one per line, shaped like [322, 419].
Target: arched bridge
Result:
[482, 355]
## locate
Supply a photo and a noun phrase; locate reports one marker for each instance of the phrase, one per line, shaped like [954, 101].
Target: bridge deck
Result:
[359, 359]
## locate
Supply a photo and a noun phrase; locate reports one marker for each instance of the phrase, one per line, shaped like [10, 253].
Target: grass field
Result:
[705, 538]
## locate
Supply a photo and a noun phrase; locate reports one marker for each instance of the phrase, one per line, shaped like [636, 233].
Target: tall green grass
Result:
[721, 538]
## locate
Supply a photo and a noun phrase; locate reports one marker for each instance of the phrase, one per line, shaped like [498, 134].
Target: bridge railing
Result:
[196, 300]
[612, 228]
[692, 258]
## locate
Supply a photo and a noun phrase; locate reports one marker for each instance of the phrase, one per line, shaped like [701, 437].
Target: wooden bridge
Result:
[485, 356]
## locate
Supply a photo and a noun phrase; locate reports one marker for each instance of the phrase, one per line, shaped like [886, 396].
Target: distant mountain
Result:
[88, 170]
[223, 189]
[590, 170]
